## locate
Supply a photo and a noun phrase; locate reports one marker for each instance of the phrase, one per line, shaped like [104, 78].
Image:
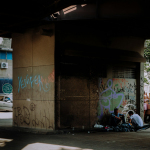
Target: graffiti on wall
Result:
[107, 96]
[38, 80]
[116, 93]
[6, 85]
[7, 88]
[29, 117]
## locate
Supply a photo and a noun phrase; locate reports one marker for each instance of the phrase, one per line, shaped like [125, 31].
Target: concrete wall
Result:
[6, 73]
[33, 81]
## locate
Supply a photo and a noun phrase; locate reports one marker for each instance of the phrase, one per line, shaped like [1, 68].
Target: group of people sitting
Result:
[134, 119]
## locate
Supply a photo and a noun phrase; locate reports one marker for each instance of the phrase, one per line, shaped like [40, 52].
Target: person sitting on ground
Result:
[135, 119]
[116, 118]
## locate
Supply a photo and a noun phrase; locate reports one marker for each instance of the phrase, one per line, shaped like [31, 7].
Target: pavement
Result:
[14, 140]
[6, 119]
[6, 115]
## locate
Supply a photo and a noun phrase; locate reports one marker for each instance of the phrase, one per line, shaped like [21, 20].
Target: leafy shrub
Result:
[148, 69]
[146, 81]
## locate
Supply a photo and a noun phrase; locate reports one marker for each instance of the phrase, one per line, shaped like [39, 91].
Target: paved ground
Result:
[6, 115]
[6, 119]
[10, 140]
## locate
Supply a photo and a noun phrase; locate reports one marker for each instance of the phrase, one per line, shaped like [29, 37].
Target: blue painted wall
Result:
[4, 54]
[9, 55]
[3, 81]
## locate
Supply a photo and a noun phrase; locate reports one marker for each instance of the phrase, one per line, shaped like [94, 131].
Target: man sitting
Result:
[135, 119]
[116, 118]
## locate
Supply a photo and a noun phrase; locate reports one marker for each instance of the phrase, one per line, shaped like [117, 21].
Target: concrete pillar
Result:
[142, 90]
[33, 76]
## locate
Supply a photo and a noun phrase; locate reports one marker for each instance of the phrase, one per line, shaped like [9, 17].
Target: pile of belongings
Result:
[126, 127]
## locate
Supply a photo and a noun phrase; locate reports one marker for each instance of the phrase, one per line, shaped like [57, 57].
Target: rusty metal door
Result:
[74, 96]
[77, 100]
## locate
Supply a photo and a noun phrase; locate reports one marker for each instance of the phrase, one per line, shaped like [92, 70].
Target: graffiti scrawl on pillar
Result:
[116, 93]
[107, 96]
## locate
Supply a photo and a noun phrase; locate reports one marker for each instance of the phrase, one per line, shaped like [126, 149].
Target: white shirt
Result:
[138, 119]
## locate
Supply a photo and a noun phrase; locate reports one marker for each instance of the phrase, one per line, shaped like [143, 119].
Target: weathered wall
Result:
[6, 56]
[78, 94]
[33, 73]
[7, 72]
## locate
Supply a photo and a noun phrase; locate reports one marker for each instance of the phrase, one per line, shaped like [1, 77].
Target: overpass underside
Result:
[74, 69]
[73, 77]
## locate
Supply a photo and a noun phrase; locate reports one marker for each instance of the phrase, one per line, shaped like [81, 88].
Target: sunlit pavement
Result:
[12, 140]
[6, 115]
[6, 118]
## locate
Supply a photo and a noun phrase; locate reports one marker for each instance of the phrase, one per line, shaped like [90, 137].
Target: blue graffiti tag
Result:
[105, 99]
[33, 80]
[128, 90]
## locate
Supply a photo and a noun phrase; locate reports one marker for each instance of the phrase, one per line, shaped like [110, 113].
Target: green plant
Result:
[146, 81]
[148, 69]
[145, 64]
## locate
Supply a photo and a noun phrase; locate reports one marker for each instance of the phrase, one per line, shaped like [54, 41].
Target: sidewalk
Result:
[12, 140]
[6, 115]
[6, 119]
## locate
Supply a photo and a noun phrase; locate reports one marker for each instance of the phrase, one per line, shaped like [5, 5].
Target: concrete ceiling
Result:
[17, 16]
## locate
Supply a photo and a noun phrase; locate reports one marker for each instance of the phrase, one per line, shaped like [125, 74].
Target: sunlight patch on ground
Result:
[2, 141]
[6, 115]
[39, 146]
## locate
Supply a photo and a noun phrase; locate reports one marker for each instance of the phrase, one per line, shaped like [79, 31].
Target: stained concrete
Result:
[33, 78]
[75, 141]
